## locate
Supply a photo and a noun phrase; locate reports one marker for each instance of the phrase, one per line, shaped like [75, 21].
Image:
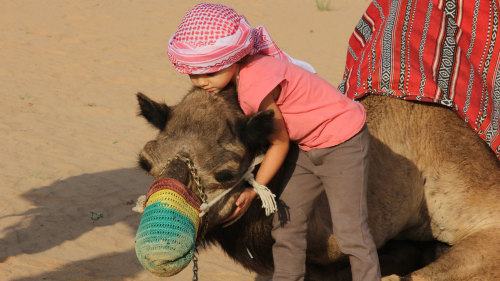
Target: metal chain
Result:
[194, 174]
[196, 178]
[195, 265]
[201, 190]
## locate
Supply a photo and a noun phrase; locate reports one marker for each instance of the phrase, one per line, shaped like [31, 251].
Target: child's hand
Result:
[242, 204]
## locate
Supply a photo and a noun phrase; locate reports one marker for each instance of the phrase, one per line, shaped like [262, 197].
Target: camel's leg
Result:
[402, 257]
[399, 257]
[476, 257]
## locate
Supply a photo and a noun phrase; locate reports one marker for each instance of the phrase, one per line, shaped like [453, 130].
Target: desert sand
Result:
[69, 133]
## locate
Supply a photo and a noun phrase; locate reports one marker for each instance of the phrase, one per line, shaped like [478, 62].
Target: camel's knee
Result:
[475, 256]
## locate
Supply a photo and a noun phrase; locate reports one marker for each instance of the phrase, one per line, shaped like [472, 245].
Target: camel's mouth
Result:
[166, 237]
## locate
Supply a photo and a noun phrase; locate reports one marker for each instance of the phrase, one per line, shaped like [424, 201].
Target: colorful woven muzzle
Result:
[166, 238]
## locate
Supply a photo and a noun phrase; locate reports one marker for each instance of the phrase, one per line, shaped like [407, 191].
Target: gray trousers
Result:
[342, 172]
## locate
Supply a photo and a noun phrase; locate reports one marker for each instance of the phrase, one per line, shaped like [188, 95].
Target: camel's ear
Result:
[257, 129]
[156, 113]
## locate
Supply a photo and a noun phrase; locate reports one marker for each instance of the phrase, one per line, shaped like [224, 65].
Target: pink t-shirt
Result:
[316, 114]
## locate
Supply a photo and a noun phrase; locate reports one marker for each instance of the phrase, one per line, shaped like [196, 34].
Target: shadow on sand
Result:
[70, 208]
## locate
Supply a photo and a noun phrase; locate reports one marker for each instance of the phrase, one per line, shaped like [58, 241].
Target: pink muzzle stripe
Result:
[178, 187]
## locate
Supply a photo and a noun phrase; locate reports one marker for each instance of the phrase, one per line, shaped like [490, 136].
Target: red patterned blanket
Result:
[441, 51]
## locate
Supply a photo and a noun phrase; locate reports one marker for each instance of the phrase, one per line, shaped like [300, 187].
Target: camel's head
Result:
[205, 144]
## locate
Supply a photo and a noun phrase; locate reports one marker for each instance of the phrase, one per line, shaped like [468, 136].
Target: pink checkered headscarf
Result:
[212, 37]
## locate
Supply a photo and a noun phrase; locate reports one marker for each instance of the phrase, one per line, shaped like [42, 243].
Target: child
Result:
[216, 46]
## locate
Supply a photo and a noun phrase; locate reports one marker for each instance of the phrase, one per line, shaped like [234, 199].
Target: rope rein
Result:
[265, 194]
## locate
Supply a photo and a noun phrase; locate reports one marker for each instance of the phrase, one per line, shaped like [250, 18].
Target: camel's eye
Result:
[224, 175]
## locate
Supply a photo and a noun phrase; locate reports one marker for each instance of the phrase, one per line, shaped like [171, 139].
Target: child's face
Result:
[216, 81]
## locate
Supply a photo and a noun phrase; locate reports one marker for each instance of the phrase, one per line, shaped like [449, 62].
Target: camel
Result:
[433, 184]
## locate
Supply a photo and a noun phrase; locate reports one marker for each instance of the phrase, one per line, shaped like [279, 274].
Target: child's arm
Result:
[279, 141]
[275, 155]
